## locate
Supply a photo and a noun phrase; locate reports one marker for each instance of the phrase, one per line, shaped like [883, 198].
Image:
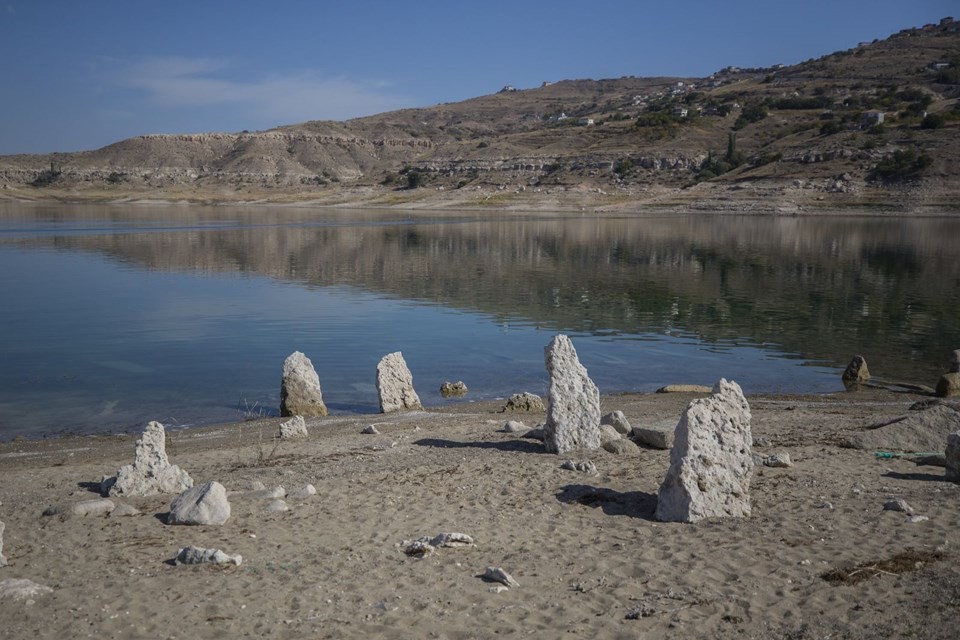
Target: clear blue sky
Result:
[80, 74]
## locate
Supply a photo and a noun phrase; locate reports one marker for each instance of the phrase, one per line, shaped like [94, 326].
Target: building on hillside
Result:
[585, 122]
[871, 118]
[680, 112]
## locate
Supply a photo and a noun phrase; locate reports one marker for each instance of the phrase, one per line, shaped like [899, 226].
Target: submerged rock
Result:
[856, 372]
[453, 389]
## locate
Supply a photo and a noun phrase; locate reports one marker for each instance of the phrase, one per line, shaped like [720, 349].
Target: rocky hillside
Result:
[875, 126]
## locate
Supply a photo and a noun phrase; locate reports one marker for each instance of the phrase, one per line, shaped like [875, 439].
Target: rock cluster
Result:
[711, 463]
[202, 505]
[573, 402]
[151, 472]
[300, 393]
[395, 384]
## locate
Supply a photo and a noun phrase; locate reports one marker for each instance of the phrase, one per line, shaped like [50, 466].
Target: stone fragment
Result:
[856, 372]
[918, 431]
[618, 421]
[585, 466]
[99, 507]
[898, 505]
[711, 461]
[453, 389]
[276, 506]
[948, 385]
[952, 457]
[496, 574]
[608, 434]
[371, 431]
[300, 393]
[659, 435]
[573, 401]
[296, 427]
[395, 384]
[206, 504]
[303, 492]
[197, 555]
[514, 426]
[124, 510]
[684, 388]
[778, 460]
[620, 446]
[525, 401]
[534, 434]
[21, 589]
[151, 472]
[3, 558]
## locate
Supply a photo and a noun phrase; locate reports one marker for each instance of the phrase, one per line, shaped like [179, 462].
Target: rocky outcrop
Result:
[573, 401]
[711, 462]
[395, 384]
[300, 393]
[151, 472]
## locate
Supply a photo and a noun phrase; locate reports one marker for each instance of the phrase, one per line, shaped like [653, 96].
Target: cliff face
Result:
[781, 137]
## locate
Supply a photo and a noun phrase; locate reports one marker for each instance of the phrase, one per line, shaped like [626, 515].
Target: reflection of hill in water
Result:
[822, 288]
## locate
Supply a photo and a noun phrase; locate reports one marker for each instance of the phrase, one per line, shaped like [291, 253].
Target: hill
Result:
[876, 127]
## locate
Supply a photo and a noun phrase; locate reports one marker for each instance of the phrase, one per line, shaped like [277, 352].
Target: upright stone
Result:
[856, 372]
[151, 472]
[711, 461]
[395, 384]
[952, 456]
[573, 401]
[3, 558]
[300, 388]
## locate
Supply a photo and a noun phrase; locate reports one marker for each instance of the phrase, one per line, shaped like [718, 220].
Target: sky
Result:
[81, 74]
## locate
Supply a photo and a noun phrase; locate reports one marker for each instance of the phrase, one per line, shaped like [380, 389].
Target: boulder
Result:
[952, 457]
[711, 461]
[948, 385]
[525, 401]
[296, 427]
[3, 558]
[203, 505]
[856, 372]
[197, 555]
[608, 434]
[618, 421]
[656, 436]
[300, 393]
[453, 389]
[514, 426]
[573, 401]
[395, 384]
[151, 472]
[920, 431]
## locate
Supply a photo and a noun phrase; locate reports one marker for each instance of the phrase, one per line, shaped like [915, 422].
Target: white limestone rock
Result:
[656, 436]
[261, 494]
[296, 427]
[711, 461]
[496, 574]
[300, 393]
[22, 589]
[3, 558]
[276, 506]
[778, 460]
[621, 446]
[952, 457]
[618, 421]
[206, 504]
[151, 472]
[514, 426]
[395, 384]
[303, 492]
[573, 402]
[608, 434]
[198, 555]
[99, 507]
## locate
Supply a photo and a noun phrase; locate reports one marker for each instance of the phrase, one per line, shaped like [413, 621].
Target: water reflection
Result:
[813, 289]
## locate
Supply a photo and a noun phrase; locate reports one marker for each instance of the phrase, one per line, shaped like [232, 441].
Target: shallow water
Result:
[114, 315]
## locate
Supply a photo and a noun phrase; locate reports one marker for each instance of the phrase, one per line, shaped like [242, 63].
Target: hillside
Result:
[875, 126]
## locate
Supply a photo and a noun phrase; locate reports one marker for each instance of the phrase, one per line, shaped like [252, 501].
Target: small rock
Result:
[524, 402]
[586, 466]
[954, 361]
[619, 447]
[300, 493]
[123, 510]
[898, 505]
[251, 485]
[618, 421]
[916, 519]
[426, 545]
[453, 389]
[296, 427]
[952, 457]
[656, 436]
[514, 426]
[760, 441]
[21, 589]
[778, 460]
[534, 434]
[206, 504]
[196, 555]
[276, 506]
[608, 433]
[452, 539]
[261, 494]
[100, 507]
[371, 431]
[684, 388]
[496, 574]
[500, 588]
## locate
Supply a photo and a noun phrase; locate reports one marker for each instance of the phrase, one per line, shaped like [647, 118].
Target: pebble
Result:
[371, 431]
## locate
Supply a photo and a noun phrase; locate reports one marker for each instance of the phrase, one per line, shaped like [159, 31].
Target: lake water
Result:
[113, 316]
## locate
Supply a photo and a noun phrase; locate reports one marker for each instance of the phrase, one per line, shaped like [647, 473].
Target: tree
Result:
[414, 179]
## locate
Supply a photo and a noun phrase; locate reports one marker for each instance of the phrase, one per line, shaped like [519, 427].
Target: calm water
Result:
[113, 316]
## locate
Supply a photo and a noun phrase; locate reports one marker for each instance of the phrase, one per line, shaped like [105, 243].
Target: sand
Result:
[585, 550]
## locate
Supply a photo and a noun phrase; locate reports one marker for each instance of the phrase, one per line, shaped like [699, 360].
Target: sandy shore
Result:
[586, 551]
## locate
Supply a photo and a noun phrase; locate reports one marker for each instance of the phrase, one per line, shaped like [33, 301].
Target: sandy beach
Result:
[818, 558]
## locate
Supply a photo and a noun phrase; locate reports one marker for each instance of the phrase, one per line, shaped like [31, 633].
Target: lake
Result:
[115, 315]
